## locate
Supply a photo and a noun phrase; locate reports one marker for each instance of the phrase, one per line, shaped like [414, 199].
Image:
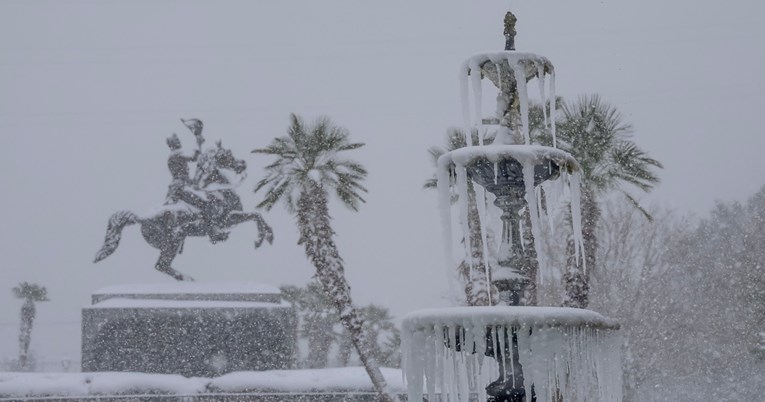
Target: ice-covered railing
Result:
[566, 354]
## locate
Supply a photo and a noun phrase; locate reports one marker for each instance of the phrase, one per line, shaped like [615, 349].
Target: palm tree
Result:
[594, 133]
[31, 293]
[476, 283]
[318, 318]
[377, 323]
[308, 165]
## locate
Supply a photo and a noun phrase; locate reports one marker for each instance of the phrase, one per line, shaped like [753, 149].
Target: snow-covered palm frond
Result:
[30, 291]
[595, 133]
[311, 152]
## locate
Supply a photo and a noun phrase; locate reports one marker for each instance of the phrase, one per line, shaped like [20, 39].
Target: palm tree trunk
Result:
[25, 332]
[316, 236]
[577, 276]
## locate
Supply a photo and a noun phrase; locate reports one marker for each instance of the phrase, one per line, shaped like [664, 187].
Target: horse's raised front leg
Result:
[264, 230]
[166, 256]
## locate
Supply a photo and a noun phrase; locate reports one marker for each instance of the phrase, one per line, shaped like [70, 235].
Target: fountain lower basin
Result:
[564, 353]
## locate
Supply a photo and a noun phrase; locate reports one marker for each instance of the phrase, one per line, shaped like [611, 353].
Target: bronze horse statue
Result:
[202, 207]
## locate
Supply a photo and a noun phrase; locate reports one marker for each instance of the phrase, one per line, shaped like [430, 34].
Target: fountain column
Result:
[516, 276]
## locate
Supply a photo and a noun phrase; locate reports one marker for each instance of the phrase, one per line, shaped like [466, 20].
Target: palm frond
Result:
[637, 206]
[30, 291]
[311, 148]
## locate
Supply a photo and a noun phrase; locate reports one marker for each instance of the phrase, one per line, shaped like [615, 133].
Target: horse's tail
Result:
[114, 232]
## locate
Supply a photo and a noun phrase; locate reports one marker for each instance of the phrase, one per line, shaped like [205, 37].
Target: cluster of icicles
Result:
[565, 191]
[573, 359]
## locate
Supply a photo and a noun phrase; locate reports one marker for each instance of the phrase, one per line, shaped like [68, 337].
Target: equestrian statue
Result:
[205, 204]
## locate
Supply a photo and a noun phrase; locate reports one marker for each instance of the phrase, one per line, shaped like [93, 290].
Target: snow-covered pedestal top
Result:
[190, 287]
[209, 291]
[184, 304]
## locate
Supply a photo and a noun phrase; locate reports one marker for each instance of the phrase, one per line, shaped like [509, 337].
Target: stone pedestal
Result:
[193, 329]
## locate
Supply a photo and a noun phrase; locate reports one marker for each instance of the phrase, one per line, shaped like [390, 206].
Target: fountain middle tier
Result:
[526, 155]
[517, 175]
[488, 62]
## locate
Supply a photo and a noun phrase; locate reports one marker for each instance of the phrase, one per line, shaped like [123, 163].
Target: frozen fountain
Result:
[535, 353]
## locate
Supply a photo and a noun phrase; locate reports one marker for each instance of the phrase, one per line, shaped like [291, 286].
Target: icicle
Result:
[548, 189]
[553, 107]
[576, 217]
[464, 77]
[480, 194]
[462, 194]
[520, 80]
[541, 82]
[415, 365]
[540, 211]
[525, 356]
[441, 359]
[528, 179]
[475, 77]
[431, 364]
[444, 205]
[500, 353]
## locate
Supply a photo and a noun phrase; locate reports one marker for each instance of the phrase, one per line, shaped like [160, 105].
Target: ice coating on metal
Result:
[566, 353]
[525, 154]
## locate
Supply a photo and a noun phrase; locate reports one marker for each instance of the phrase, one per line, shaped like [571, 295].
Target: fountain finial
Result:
[510, 32]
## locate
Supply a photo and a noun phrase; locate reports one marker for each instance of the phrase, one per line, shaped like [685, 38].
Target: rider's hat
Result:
[194, 125]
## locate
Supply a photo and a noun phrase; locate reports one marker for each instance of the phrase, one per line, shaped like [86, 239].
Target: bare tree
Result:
[636, 286]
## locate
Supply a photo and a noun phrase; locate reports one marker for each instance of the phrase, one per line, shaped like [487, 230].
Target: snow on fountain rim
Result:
[190, 287]
[532, 316]
[525, 154]
[511, 56]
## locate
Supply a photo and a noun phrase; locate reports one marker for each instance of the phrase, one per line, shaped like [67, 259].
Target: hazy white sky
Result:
[90, 89]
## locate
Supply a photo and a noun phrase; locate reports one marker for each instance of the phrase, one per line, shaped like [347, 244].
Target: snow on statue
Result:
[203, 205]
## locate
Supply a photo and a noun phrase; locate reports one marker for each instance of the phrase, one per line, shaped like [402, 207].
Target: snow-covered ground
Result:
[345, 379]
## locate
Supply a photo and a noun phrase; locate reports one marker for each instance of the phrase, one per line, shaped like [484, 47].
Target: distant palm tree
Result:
[308, 165]
[477, 284]
[377, 322]
[594, 133]
[318, 318]
[31, 293]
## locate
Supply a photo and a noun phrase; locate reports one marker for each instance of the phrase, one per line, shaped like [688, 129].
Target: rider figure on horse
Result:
[178, 164]
[183, 188]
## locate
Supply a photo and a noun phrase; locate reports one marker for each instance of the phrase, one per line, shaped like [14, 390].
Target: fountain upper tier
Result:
[507, 62]
[509, 71]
